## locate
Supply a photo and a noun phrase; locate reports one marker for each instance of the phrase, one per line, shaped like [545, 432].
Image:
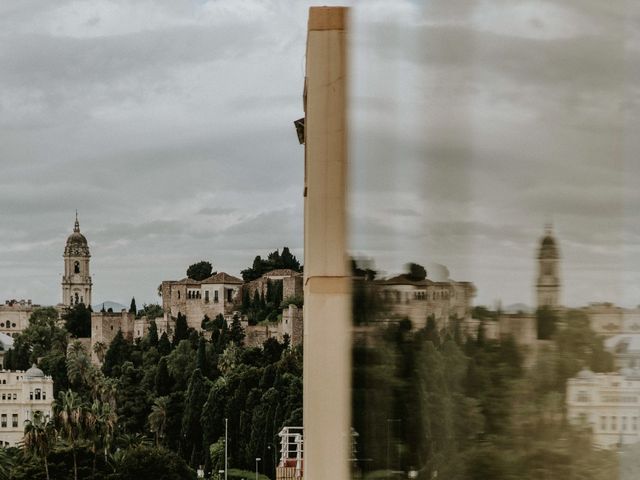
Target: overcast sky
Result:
[168, 125]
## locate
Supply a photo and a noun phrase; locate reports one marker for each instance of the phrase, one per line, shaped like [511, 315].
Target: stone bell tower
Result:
[548, 284]
[76, 282]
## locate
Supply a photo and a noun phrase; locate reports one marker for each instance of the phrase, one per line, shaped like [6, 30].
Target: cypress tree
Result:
[191, 432]
[182, 329]
[270, 296]
[201, 355]
[237, 332]
[153, 334]
[133, 309]
[163, 380]
[164, 346]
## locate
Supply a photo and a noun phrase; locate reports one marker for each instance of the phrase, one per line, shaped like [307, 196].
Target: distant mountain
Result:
[115, 306]
[517, 308]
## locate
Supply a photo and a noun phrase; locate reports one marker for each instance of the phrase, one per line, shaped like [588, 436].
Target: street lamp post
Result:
[257, 460]
[226, 438]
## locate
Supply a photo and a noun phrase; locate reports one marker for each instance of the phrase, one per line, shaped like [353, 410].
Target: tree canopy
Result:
[199, 271]
[275, 260]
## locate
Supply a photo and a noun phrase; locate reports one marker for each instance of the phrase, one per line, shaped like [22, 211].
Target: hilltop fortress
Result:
[402, 296]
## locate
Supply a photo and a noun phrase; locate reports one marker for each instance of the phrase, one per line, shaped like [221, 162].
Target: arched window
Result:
[77, 298]
[76, 267]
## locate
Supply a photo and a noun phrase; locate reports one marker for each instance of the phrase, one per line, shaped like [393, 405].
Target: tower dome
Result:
[548, 246]
[34, 372]
[76, 242]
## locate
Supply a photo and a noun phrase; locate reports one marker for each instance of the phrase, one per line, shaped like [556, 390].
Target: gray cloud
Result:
[169, 126]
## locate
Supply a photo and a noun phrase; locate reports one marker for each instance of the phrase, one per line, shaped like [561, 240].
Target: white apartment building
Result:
[609, 403]
[21, 394]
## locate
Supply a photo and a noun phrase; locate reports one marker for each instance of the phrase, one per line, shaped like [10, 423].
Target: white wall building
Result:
[609, 403]
[21, 394]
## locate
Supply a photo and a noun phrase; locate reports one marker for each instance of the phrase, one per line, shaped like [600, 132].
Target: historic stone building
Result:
[291, 283]
[22, 394]
[76, 281]
[548, 280]
[218, 294]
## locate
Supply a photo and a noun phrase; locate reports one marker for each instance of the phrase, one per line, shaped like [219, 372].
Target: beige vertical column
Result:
[327, 288]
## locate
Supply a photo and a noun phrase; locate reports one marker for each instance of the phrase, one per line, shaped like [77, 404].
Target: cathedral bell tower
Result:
[548, 284]
[76, 282]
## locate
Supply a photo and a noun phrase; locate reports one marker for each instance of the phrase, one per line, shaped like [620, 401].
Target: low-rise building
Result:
[22, 394]
[607, 403]
[14, 316]
[218, 294]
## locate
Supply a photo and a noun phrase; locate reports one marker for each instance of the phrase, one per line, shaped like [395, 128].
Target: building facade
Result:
[418, 300]
[608, 404]
[76, 281]
[218, 294]
[14, 316]
[22, 394]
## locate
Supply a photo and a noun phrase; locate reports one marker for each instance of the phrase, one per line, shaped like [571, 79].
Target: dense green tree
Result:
[199, 271]
[152, 462]
[133, 402]
[118, 353]
[274, 261]
[191, 432]
[180, 363]
[77, 321]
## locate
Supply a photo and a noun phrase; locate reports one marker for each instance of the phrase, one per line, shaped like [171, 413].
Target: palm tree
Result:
[79, 368]
[39, 437]
[100, 423]
[6, 462]
[70, 413]
[127, 441]
[158, 417]
[100, 349]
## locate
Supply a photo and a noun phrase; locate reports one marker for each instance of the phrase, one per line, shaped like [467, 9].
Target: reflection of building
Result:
[76, 281]
[607, 319]
[608, 403]
[625, 350]
[420, 299]
[218, 294]
[22, 394]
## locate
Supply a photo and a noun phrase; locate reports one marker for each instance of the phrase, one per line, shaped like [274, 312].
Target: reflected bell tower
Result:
[548, 284]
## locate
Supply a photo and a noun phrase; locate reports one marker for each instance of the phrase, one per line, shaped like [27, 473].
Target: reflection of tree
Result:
[469, 410]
